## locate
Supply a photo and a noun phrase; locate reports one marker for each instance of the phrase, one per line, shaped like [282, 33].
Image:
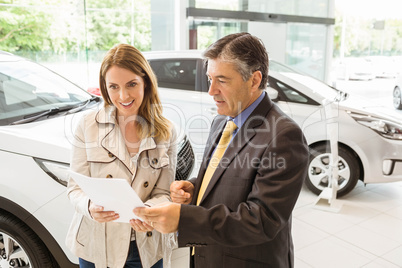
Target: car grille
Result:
[185, 160]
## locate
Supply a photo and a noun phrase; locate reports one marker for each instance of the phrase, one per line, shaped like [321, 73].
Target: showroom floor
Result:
[365, 232]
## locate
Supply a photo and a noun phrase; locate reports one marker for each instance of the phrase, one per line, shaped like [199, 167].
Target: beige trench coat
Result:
[99, 151]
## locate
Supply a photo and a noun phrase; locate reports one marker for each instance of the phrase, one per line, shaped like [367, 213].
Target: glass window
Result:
[292, 95]
[291, 7]
[175, 74]
[27, 88]
[308, 81]
[289, 94]
[209, 31]
[223, 4]
[71, 37]
[305, 47]
[288, 7]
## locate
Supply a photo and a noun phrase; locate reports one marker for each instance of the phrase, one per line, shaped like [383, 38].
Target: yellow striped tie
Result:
[216, 158]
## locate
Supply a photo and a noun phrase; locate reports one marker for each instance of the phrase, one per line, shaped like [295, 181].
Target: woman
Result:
[127, 138]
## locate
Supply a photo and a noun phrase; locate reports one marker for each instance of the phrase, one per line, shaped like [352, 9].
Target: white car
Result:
[397, 93]
[355, 69]
[384, 66]
[38, 110]
[369, 139]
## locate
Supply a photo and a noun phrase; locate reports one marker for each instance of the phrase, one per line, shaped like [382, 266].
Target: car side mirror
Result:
[272, 93]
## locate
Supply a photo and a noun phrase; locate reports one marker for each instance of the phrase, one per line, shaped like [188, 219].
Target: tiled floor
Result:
[365, 232]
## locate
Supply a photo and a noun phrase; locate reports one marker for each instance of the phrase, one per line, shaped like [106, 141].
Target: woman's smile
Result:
[127, 104]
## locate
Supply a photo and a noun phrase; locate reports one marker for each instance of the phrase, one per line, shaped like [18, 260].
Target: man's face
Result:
[231, 94]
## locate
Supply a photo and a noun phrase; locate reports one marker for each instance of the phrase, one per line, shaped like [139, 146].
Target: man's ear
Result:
[256, 78]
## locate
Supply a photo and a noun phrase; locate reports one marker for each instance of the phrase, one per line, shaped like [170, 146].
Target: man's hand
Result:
[99, 215]
[164, 218]
[181, 192]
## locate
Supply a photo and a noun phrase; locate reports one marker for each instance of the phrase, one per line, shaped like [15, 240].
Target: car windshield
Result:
[310, 82]
[27, 88]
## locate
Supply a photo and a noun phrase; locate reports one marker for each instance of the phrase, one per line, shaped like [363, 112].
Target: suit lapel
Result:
[213, 142]
[242, 138]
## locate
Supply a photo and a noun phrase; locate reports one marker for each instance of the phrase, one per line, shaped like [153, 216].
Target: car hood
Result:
[47, 139]
[358, 105]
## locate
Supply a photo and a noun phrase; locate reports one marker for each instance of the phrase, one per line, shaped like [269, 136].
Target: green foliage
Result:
[107, 26]
[362, 39]
[77, 26]
[57, 26]
[23, 28]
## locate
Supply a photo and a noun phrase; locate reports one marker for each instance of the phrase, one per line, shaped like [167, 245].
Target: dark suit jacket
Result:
[244, 218]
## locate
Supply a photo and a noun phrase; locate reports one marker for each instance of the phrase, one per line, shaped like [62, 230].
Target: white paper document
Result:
[113, 194]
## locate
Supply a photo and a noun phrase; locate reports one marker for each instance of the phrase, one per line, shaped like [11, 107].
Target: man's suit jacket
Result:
[244, 218]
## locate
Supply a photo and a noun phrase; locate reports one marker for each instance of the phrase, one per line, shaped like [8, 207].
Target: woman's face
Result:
[125, 89]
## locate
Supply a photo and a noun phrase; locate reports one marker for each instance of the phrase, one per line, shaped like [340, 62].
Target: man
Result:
[237, 212]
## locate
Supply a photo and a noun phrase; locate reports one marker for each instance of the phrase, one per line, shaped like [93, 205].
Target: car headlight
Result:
[56, 170]
[386, 128]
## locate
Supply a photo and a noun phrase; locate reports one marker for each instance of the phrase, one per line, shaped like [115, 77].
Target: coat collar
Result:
[106, 115]
[112, 139]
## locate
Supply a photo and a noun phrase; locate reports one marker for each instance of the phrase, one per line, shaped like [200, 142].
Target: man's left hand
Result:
[164, 218]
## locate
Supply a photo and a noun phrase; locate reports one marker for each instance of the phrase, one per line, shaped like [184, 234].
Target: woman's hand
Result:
[99, 215]
[140, 226]
[181, 192]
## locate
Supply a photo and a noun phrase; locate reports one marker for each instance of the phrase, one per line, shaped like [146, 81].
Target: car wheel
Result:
[397, 98]
[20, 246]
[319, 172]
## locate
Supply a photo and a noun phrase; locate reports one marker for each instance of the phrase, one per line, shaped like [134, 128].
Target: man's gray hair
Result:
[245, 51]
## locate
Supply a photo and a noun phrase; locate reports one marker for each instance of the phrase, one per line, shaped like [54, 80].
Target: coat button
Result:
[146, 184]
[155, 161]
[149, 234]
[109, 176]
[110, 155]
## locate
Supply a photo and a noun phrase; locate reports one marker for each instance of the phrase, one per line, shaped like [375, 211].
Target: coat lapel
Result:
[111, 138]
[213, 142]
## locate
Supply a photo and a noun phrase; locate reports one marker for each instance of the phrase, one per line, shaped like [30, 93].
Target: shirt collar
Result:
[241, 118]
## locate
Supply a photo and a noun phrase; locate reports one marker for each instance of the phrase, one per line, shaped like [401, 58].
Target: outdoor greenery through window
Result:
[72, 36]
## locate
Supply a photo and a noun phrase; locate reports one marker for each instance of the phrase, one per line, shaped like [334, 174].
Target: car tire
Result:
[22, 244]
[319, 176]
[397, 98]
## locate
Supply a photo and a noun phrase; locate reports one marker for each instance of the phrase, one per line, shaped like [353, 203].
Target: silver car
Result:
[369, 138]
